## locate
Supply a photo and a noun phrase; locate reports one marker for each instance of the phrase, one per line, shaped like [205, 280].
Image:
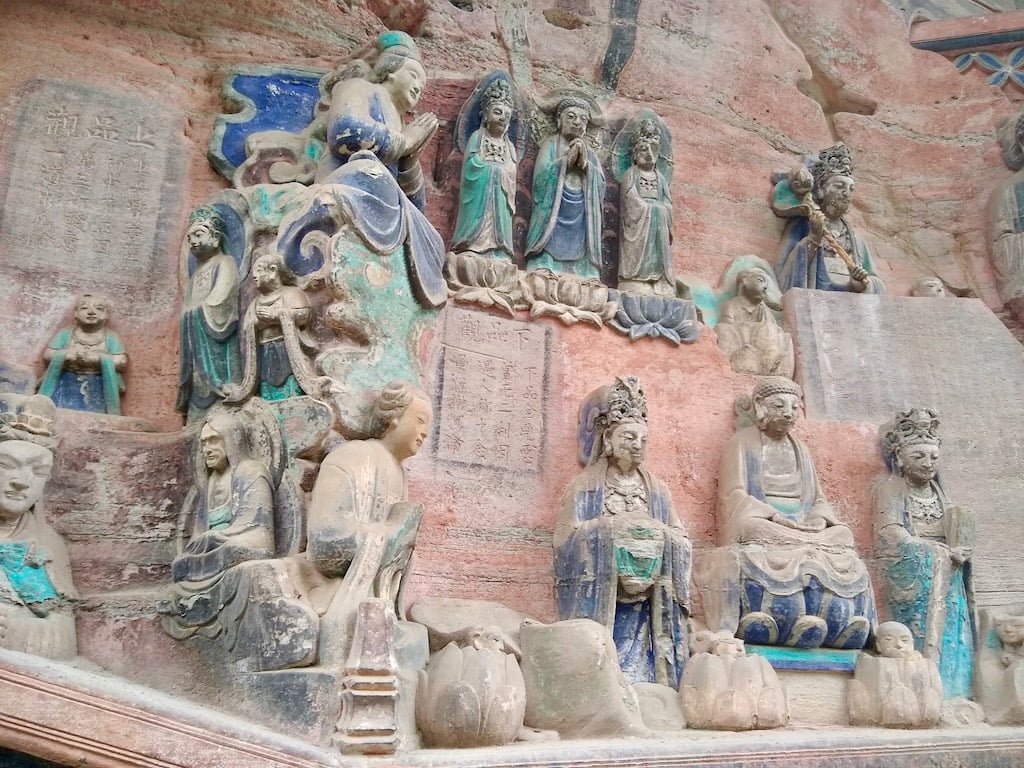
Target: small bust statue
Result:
[487, 195]
[899, 688]
[748, 332]
[929, 287]
[36, 589]
[1010, 631]
[819, 247]
[362, 530]
[645, 246]
[365, 100]
[209, 359]
[622, 557]
[1000, 666]
[568, 192]
[84, 362]
[802, 581]
[924, 545]
[276, 341]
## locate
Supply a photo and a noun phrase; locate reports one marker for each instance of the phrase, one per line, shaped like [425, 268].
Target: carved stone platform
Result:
[74, 716]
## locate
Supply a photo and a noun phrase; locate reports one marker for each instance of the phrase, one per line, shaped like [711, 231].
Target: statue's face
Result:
[729, 646]
[754, 286]
[409, 430]
[645, 155]
[496, 118]
[836, 195]
[919, 462]
[24, 469]
[405, 85]
[628, 444]
[265, 273]
[91, 312]
[573, 122]
[1010, 629]
[215, 453]
[929, 287]
[202, 238]
[895, 642]
[776, 414]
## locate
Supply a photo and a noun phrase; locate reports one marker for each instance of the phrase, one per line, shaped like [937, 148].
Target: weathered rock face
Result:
[745, 88]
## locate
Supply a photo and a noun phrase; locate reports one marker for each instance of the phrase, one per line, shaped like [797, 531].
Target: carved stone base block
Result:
[816, 697]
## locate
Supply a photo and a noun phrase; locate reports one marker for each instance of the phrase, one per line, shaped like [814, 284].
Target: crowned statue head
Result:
[623, 424]
[205, 232]
[645, 145]
[27, 441]
[776, 402]
[496, 105]
[833, 180]
[911, 445]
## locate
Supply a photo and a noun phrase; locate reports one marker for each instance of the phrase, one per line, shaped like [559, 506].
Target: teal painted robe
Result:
[55, 379]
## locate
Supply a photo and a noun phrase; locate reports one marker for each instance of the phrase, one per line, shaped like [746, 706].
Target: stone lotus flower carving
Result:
[481, 280]
[569, 298]
[471, 695]
[654, 316]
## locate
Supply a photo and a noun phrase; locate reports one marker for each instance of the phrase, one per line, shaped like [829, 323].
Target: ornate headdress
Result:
[832, 161]
[498, 92]
[775, 385]
[917, 425]
[207, 215]
[645, 133]
[626, 403]
[30, 418]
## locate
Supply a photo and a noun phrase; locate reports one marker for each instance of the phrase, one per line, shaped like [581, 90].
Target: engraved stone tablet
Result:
[92, 190]
[863, 358]
[493, 375]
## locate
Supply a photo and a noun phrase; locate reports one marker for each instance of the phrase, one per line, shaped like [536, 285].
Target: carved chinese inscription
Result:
[92, 188]
[493, 391]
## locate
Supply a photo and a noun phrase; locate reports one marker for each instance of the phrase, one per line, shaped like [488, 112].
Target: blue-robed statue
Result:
[924, 546]
[820, 249]
[568, 190]
[622, 557]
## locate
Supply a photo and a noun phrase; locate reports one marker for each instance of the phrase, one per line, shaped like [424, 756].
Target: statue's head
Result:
[776, 402]
[894, 641]
[624, 433]
[496, 107]
[91, 312]
[725, 644]
[833, 180]
[399, 68]
[573, 117]
[27, 441]
[223, 440]
[912, 445]
[1009, 629]
[929, 287]
[268, 272]
[645, 145]
[401, 419]
[752, 284]
[205, 231]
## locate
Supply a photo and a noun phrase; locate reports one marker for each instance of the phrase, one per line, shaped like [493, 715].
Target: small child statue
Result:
[899, 688]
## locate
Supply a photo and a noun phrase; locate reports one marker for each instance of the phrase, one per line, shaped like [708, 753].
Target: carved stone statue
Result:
[899, 688]
[1000, 666]
[820, 249]
[365, 102]
[929, 287]
[1005, 227]
[790, 564]
[568, 191]
[487, 195]
[36, 589]
[362, 530]
[84, 362]
[724, 688]
[645, 253]
[226, 583]
[622, 557]
[924, 544]
[748, 332]
[276, 341]
[209, 358]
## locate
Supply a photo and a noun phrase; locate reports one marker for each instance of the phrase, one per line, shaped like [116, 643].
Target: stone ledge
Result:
[63, 713]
